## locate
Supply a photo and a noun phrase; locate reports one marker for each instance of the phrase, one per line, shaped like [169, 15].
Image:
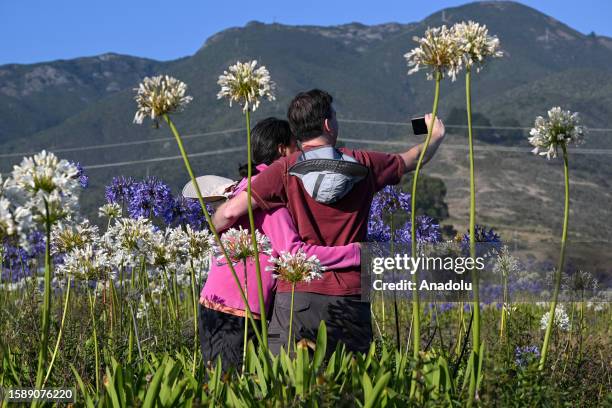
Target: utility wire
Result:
[121, 144]
[166, 158]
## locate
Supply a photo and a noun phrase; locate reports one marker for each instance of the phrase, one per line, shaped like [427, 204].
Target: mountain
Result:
[89, 101]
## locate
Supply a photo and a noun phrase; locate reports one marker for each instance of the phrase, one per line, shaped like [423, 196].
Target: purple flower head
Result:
[150, 197]
[184, 211]
[37, 244]
[526, 355]
[15, 263]
[427, 231]
[389, 200]
[482, 235]
[81, 176]
[119, 190]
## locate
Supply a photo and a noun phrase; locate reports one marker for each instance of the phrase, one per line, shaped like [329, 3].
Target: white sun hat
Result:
[213, 188]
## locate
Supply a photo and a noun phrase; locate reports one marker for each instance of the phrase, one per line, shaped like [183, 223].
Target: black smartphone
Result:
[419, 127]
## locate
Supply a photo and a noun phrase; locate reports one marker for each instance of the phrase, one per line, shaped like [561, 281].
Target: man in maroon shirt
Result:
[326, 213]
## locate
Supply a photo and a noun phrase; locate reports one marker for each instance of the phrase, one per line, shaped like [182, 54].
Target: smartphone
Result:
[419, 127]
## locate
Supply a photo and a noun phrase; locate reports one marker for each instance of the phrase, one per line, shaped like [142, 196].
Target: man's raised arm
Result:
[228, 212]
[411, 157]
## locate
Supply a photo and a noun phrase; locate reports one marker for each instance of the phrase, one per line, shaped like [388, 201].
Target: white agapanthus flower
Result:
[559, 129]
[245, 84]
[561, 319]
[475, 44]
[506, 265]
[169, 250]
[296, 268]
[68, 236]
[160, 95]
[239, 245]
[7, 221]
[85, 263]
[43, 186]
[109, 211]
[129, 240]
[438, 51]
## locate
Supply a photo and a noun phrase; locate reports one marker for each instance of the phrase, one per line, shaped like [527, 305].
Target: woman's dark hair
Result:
[266, 136]
[307, 112]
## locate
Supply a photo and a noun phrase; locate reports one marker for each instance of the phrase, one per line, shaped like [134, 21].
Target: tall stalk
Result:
[246, 323]
[46, 312]
[179, 142]
[59, 335]
[475, 290]
[559, 270]
[262, 306]
[416, 307]
[290, 337]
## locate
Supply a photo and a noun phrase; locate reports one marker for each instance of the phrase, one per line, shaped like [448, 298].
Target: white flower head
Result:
[475, 44]
[85, 263]
[438, 51]
[7, 220]
[246, 85]
[561, 320]
[560, 128]
[69, 236]
[506, 265]
[296, 268]
[110, 211]
[42, 187]
[160, 95]
[239, 245]
[129, 240]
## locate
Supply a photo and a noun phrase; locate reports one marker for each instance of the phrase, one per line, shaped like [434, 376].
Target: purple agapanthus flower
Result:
[81, 176]
[427, 231]
[150, 197]
[388, 201]
[184, 211]
[482, 235]
[120, 190]
[523, 356]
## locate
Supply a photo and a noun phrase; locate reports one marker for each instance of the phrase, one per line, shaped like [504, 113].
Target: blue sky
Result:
[42, 30]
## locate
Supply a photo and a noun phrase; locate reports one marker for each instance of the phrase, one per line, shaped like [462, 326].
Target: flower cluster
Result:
[445, 50]
[294, 268]
[41, 188]
[246, 85]
[392, 201]
[158, 96]
[523, 356]
[475, 44]
[151, 198]
[69, 236]
[506, 265]
[438, 50]
[560, 128]
[561, 320]
[239, 245]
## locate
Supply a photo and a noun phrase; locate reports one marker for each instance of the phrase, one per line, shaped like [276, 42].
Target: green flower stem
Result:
[475, 291]
[195, 314]
[46, 312]
[59, 335]
[95, 339]
[179, 141]
[416, 307]
[262, 306]
[395, 310]
[559, 270]
[246, 323]
[290, 337]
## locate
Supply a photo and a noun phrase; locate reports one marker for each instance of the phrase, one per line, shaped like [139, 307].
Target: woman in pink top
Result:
[221, 307]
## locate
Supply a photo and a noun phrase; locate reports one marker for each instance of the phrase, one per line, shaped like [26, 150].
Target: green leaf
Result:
[374, 396]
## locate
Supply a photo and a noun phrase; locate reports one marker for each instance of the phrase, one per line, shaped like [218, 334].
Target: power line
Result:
[478, 148]
[121, 144]
[166, 158]
[379, 122]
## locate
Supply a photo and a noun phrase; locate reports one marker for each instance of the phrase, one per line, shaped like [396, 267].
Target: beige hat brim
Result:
[213, 188]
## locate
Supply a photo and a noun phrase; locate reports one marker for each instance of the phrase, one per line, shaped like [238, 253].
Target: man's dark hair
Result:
[266, 136]
[307, 113]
